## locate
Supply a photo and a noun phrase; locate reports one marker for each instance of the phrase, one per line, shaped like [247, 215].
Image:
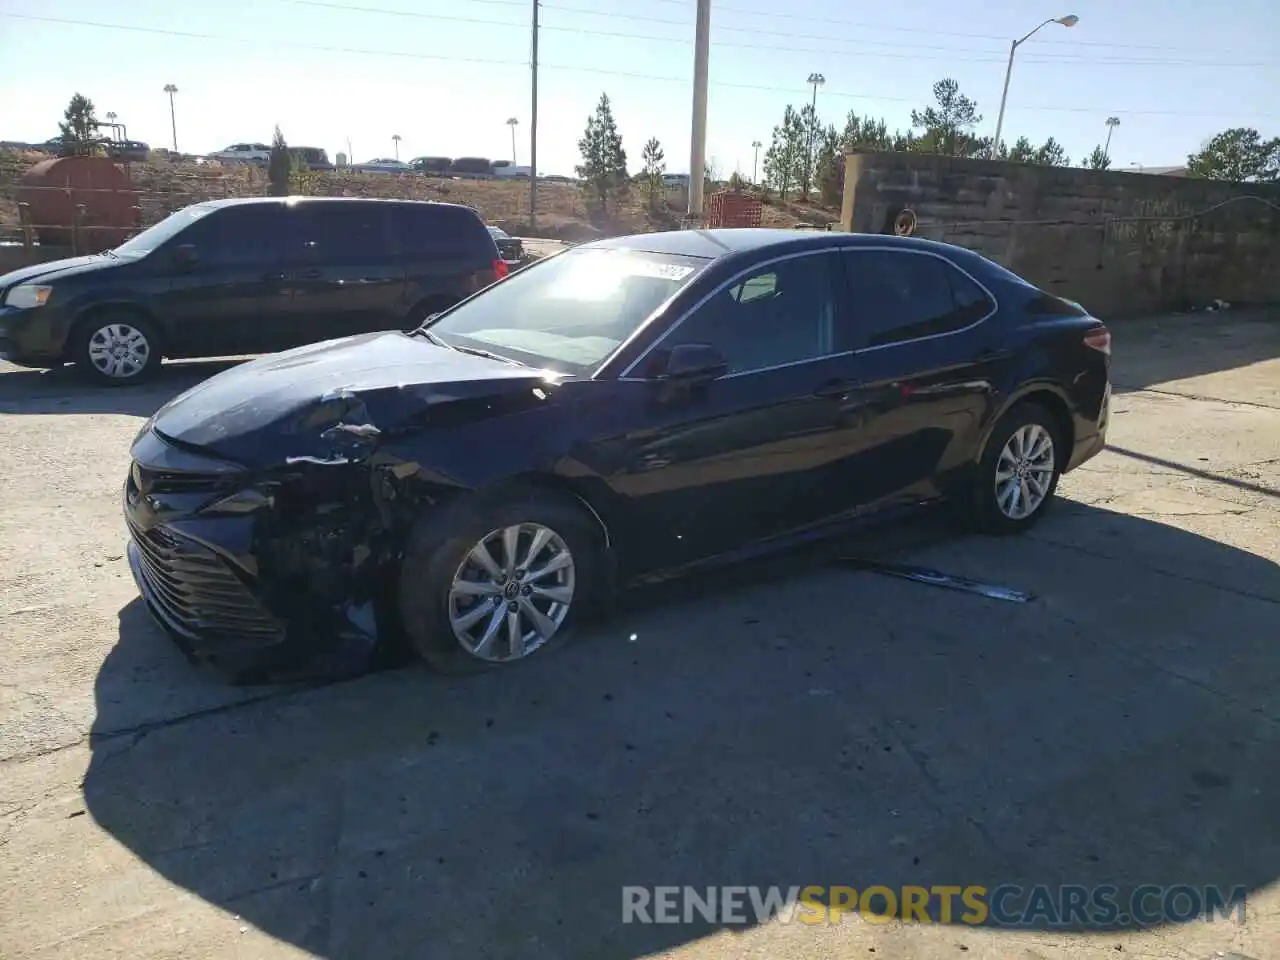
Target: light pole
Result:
[395, 139]
[1070, 20]
[1112, 123]
[817, 80]
[170, 89]
[512, 122]
[698, 139]
[755, 158]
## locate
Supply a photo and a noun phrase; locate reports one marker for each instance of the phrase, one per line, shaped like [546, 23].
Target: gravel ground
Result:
[820, 727]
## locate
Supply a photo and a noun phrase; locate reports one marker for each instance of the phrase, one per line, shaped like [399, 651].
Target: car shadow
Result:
[1157, 350]
[796, 723]
[61, 390]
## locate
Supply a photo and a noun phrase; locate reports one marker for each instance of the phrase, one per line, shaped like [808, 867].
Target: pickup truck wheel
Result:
[117, 349]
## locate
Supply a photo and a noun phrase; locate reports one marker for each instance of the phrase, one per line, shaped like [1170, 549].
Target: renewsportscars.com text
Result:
[1007, 905]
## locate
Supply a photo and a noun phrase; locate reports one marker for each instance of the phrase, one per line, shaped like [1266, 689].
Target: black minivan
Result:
[246, 275]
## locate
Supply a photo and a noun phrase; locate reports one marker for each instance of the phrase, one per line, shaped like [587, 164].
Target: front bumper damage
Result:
[275, 575]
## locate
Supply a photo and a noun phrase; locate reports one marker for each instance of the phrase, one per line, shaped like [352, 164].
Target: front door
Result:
[349, 279]
[234, 298]
[747, 456]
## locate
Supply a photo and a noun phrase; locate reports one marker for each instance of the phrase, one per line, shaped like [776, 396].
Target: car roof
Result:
[719, 243]
[244, 201]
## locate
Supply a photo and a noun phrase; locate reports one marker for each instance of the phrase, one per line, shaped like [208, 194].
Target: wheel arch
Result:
[1054, 400]
[86, 315]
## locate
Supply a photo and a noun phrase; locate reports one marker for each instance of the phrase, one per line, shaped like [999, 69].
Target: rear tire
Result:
[117, 348]
[1017, 477]
[465, 615]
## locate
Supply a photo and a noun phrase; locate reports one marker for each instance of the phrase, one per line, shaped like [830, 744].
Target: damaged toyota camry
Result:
[626, 410]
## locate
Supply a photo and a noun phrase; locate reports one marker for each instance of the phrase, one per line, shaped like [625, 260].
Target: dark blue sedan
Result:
[628, 408]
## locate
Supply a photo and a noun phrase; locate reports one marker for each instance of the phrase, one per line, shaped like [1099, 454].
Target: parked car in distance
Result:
[511, 249]
[627, 409]
[246, 275]
[383, 165]
[256, 153]
[127, 151]
[312, 158]
[472, 168]
[434, 166]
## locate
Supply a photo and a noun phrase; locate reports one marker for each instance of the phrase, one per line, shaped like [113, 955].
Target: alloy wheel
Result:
[512, 592]
[119, 350]
[1024, 471]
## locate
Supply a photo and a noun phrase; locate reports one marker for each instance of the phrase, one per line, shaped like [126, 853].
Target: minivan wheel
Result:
[495, 579]
[1018, 475]
[117, 349]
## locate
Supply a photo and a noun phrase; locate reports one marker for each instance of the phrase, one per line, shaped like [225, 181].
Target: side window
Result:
[237, 236]
[340, 232]
[783, 313]
[423, 230]
[894, 297]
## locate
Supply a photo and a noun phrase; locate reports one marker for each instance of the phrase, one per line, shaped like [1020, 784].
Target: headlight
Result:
[28, 295]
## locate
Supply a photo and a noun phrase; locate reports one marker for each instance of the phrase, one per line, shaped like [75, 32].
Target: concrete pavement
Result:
[792, 724]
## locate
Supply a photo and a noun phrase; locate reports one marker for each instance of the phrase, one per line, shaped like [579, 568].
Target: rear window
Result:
[439, 230]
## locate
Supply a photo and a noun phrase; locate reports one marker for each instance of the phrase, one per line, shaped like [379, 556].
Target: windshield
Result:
[569, 312]
[154, 236]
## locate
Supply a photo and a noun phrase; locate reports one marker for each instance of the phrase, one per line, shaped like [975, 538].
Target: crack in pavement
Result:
[1201, 398]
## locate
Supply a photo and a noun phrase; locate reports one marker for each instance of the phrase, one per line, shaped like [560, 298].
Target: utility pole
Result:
[170, 89]
[816, 80]
[395, 138]
[1112, 123]
[698, 140]
[533, 124]
[755, 158]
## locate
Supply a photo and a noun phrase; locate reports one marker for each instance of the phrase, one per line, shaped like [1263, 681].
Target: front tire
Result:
[1017, 477]
[117, 349]
[495, 579]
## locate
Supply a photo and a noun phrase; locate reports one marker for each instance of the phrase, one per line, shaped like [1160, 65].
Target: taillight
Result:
[1099, 338]
[500, 269]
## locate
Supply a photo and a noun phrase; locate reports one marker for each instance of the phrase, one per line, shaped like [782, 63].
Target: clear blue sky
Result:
[1174, 71]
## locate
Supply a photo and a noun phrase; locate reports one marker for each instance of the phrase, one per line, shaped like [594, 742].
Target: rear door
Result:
[448, 254]
[923, 372]
[236, 297]
[348, 278]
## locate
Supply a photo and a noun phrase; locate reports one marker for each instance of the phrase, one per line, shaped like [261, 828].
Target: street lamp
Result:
[755, 157]
[512, 122]
[1112, 123]
[815, 80]
[395, 139]
[1070, 20]
[170, 89]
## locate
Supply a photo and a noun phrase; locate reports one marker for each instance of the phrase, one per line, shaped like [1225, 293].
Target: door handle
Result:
[273, 276]
[836, 388]
[312, 274]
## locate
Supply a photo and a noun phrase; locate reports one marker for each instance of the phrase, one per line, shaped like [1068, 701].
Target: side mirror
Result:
[694, 363]
[185, 256]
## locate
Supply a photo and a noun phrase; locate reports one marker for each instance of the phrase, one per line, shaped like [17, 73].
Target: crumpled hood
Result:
[55, 269]
[333, 401]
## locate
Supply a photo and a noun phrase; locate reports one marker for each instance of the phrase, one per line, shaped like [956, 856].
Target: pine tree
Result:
[604, 162]
[655, 165]
[1098, 159]
[947, 124]
[79, 126]
[279, 166]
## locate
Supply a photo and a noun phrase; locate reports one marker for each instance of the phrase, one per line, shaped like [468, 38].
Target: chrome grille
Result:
[195, 590]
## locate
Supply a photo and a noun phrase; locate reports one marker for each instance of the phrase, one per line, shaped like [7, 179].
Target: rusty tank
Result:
[85, 203]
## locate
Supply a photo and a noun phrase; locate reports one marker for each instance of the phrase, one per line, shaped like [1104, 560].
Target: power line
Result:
[991, 56]
[485, 61]
[855, 23]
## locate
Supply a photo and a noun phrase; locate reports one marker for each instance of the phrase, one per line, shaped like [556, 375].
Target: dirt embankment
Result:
[565, 212]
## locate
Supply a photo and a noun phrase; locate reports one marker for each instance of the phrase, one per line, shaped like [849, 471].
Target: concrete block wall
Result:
[1120, 243]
